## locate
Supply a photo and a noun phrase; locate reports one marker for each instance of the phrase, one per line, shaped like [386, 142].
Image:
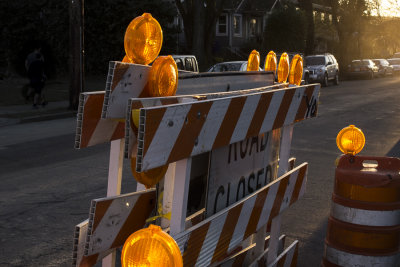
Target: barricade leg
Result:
[114, 183]
[181, 191]
[284, 156]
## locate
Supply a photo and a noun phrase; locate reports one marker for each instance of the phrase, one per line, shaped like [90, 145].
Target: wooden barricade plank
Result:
[137, 103]
[288, 258]
[78, 257]
[214, 238]
[125, 80]
[113, 219]
[241, 258]
[90, 128]
[173, 132]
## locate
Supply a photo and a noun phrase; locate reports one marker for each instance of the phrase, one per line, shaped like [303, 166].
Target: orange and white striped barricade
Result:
[100, 113]
[211, 240]
[176, 133]
[126, 81]
[78, 258]
[364, 224]
[91, 129]
[244, 255]
[137, 103]
[113, 219]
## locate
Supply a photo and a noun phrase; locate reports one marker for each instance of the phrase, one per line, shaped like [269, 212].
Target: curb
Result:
[4, 121]
[45, 117]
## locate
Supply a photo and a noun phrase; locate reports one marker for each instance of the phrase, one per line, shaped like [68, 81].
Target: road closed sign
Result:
[240, 169]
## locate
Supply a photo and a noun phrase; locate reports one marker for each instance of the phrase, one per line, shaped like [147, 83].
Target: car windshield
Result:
[227, 67]
[314, 61]
[394, 61]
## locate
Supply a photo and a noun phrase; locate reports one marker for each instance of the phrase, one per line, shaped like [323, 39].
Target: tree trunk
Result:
[198, 44]
[308, 9]
[199, 20]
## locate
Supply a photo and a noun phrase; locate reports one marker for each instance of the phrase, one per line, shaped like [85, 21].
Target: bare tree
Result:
[199, 20]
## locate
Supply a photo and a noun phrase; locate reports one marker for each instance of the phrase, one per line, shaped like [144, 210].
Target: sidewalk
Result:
[25, 113]
[14, 109]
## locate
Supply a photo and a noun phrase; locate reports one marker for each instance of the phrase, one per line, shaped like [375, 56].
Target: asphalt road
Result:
[47, 185]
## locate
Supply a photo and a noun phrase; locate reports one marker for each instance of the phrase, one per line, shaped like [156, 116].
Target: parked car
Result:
[384, 67]
[396, 55]
[395, 63]
[186, 62]
[229, 66]
[306, 73]
[362, 68]
[322, 68]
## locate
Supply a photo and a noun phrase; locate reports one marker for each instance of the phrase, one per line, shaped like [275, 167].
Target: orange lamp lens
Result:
[253, 63]
[126, 59]
[149, 178]
[143, 39]
[283, 68]
[270, 62]
[163, 77]
[151, 247]
[296, 70]
[350, 140]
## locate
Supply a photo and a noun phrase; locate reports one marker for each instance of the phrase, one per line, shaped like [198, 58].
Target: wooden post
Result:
[76, 54]
[284, 154]
[114, 183]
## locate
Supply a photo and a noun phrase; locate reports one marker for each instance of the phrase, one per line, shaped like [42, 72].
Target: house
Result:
[243, 21]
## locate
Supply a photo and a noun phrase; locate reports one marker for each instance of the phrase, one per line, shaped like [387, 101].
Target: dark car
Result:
[362, 68]
[384, 67]
[322, 68]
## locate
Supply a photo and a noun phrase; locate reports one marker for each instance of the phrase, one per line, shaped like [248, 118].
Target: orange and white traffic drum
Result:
[364, 224]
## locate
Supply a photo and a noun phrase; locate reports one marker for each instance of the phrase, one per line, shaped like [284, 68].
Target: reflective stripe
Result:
[345, 259]
[365, 217]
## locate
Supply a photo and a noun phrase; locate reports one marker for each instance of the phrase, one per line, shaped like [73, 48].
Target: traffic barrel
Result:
[364, 223]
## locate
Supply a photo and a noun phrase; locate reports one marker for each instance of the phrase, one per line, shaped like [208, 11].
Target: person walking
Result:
[34, 65]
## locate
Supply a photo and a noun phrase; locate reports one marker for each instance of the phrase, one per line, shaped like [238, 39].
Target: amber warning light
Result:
[143, 39]
[151, 247]
[350, 140]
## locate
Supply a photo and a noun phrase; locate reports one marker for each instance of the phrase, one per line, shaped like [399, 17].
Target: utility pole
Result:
[76, 51]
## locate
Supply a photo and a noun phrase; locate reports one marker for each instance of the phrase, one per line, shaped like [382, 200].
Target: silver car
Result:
[322, 68]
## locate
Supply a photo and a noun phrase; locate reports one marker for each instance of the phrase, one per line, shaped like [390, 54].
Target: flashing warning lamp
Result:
[149, 178]
[253, 63]
[151, 247]
[270, 62]
[296, 70]
[143, 39]
[126, 59]
[163, 77]
[283, 68]
[350, 140]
